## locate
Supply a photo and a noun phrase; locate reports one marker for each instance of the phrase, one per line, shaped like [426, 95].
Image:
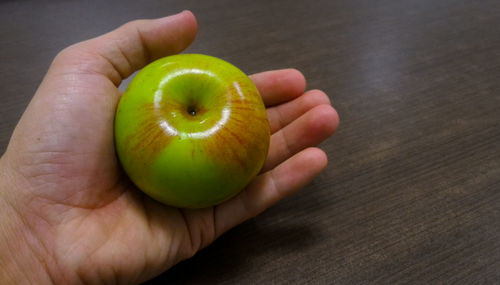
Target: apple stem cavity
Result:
[191, 111]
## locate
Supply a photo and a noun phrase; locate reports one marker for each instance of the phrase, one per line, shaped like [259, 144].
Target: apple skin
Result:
[191, 130]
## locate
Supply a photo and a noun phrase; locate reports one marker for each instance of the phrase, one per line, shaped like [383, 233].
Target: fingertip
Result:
[187, 12]
[299, 170]
[278, 86]
[315, 97]
[293, 81]
[298, 79]
[324, 120]
[316, 157]
[192, 27]
[178, 30]
[185, 15]
[190, 18]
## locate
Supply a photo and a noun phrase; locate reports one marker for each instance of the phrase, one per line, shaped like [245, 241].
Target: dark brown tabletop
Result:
[412, 190]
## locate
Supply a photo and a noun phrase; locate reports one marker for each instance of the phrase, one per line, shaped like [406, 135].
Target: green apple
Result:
[191, 130]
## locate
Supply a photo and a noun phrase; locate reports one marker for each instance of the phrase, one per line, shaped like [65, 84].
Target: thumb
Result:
[125, 50]
[73, 108]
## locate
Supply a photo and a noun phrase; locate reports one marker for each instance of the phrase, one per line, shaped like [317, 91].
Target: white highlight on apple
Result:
[220, 123]
[169, 129]
[238, 89]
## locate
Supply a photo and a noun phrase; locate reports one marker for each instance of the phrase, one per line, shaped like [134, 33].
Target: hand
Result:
[69, 214]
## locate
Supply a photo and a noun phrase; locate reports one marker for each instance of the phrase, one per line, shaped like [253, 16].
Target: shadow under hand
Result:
[241, 251]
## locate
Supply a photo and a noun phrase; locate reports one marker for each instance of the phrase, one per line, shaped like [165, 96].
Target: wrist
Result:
[18, 263]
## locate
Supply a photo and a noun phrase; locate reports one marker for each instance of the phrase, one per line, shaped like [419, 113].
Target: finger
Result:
[123, 51]
[279, 86]
[269, 188]
[309, 130]
[281, 115]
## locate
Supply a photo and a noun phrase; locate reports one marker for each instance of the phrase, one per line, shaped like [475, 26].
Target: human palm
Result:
[71, 207]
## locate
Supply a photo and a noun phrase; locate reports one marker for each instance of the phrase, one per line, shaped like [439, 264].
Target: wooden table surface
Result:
[412, 190]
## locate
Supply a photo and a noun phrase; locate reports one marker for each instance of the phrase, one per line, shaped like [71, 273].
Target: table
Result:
[412, 190]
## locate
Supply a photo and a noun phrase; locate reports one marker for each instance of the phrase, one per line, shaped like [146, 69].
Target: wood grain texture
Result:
[412, 190]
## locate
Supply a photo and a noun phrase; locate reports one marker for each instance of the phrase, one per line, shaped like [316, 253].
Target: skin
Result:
[69, 215]
[191, 130]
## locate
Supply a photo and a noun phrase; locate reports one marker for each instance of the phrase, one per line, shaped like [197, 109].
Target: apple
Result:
[191, 130]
